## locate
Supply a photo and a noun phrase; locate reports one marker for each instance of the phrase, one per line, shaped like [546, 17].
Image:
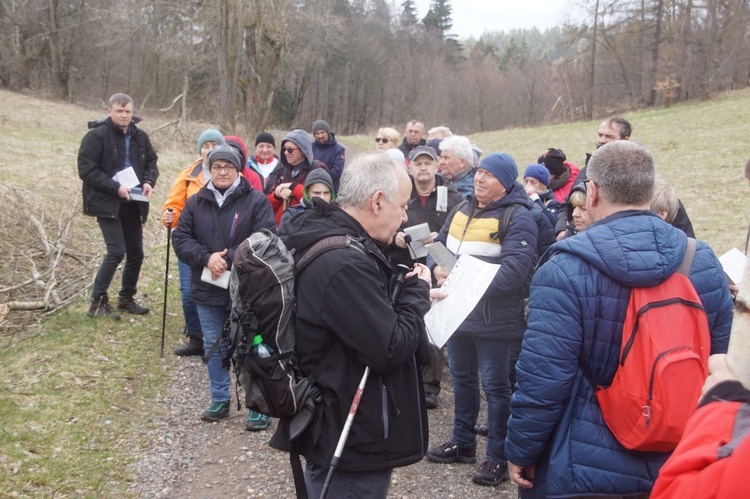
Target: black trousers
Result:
[124, 239]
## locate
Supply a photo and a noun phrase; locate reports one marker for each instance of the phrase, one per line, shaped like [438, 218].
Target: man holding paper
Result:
[212, 225]
[114, 158]
[482, 341]
[430, 203]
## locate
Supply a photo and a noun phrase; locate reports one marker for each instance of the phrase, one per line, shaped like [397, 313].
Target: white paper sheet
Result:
[733, 262]
[127, 177]
[222, 281]
[465, 286]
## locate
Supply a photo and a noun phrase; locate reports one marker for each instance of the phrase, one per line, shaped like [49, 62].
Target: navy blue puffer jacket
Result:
[576, 310]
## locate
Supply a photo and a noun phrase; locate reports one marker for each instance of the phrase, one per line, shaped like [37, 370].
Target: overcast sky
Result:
[474, 17]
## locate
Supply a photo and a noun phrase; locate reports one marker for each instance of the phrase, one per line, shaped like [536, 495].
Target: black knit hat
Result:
[265, 138]
[553, 159]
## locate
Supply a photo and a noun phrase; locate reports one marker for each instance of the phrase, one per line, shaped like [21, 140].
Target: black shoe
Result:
[101, 308]
[194, 346]
[482, 429]
[129, 305]
[431, 400]
[451, 453]
[491, 474]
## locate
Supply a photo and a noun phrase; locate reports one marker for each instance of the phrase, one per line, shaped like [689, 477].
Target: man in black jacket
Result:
[115, 157]
[346, 321]
[612, 129]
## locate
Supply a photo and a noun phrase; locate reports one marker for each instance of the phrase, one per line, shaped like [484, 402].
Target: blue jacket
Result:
[576, 310]
[332, 154]
[470, 230]
[464, 182]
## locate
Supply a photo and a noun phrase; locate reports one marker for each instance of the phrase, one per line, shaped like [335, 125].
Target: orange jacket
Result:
[712, 459]
[189, 181]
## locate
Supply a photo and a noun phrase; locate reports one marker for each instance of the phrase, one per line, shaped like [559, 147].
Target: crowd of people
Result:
[550, 320]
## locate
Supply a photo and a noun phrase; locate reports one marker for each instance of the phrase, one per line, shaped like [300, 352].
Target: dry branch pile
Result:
[47, 256]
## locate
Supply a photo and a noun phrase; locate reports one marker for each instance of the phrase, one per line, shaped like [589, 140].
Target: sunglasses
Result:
[379, 140]
[290, 150]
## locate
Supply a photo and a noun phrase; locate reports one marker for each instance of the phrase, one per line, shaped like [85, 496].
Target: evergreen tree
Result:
[408, 17]
[439, 16]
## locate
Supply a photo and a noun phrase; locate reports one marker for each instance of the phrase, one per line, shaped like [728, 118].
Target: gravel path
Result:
[188, 458]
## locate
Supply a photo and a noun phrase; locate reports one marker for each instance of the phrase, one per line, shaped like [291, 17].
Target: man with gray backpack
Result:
[345, 322]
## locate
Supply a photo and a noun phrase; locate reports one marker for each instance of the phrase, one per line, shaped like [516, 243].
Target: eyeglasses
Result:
[381, 140]
[290, 150]
[585, 183]
[226, 168]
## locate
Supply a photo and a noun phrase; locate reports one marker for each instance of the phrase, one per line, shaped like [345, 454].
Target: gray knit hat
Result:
[227, 153]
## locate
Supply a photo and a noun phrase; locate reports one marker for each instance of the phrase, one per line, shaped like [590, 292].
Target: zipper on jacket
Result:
[384, 401]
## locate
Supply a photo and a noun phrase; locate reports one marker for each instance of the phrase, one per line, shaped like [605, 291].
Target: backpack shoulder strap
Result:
[687, 260]
[505, 221]
[327, 244]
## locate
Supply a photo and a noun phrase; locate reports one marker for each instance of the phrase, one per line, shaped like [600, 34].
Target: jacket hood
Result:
[317, 176]
[301, 140]
[634, 248]
[320, 221]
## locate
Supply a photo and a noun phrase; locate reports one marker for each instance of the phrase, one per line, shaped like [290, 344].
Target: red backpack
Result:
[663, 364]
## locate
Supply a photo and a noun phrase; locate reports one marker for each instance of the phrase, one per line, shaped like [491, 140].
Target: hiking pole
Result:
[166, 283]
[345, 432]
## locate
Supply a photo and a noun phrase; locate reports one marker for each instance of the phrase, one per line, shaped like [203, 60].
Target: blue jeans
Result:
[488, 356]
[212, 322]
[189, 310]
[124, 239]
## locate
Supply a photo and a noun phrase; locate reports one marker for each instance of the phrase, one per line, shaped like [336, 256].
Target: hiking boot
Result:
[257, 421]
[491, 474]
[451, 453]
[431, 400]
[216, 411]
[194, 346]
[129, 305]
[102, 308]
[482, 430]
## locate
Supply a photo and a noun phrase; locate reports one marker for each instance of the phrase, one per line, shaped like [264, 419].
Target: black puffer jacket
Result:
[344, 322]
[102, 155]
[197, 236]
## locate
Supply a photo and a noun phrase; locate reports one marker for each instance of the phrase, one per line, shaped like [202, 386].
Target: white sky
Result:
[474, 17]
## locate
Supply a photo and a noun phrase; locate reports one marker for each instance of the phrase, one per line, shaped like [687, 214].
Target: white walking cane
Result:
[345, 432]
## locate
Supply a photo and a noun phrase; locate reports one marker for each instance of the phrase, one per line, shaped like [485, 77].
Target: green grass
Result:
[78, 396]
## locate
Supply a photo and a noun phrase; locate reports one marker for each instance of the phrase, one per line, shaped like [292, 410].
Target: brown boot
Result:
[100, 307]
[129, 305]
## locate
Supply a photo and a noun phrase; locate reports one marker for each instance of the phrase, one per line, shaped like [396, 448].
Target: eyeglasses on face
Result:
[290, 150]
[381, 140]
[227, 168]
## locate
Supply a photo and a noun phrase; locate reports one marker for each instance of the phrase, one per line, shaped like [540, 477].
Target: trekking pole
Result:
[166, 283]
[345, 432]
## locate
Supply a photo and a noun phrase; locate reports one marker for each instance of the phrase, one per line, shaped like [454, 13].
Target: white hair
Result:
[460, 146]
[367, 174]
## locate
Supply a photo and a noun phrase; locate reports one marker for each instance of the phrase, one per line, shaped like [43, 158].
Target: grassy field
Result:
[78, 396]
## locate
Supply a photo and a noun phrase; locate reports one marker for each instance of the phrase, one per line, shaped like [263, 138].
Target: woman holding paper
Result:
[214, 222]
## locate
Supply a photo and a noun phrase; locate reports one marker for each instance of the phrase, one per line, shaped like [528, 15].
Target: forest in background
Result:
[361, 64]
